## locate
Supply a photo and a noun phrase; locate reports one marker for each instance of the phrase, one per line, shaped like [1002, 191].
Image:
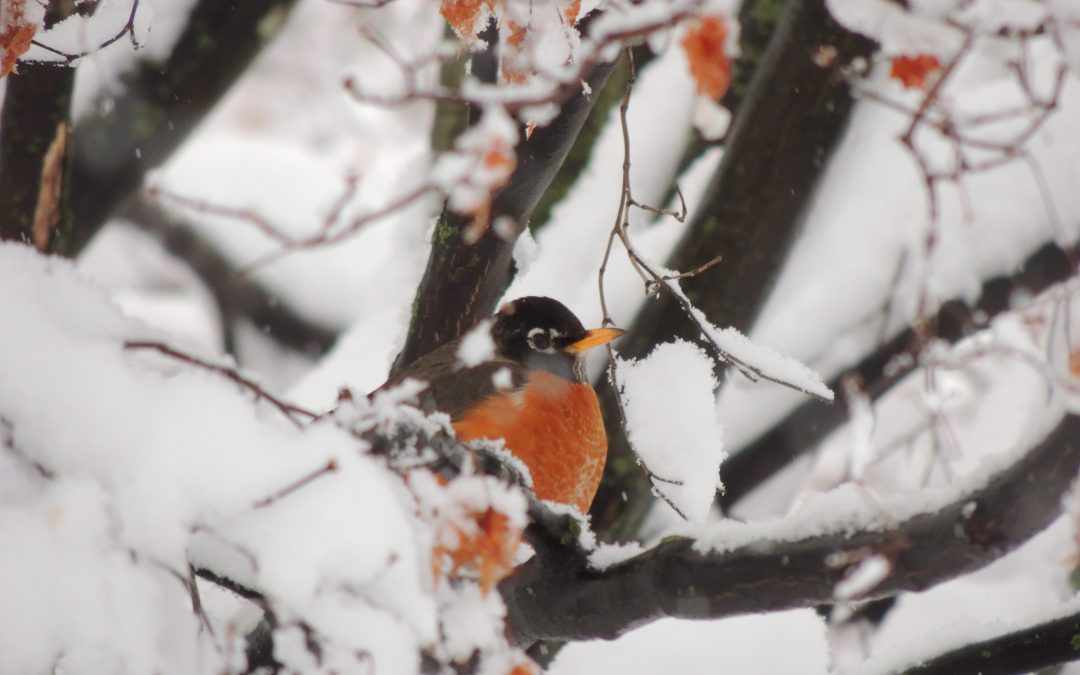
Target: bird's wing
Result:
[453, 389]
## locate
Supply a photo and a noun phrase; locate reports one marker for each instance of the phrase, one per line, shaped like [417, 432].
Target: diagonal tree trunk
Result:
[464, 281]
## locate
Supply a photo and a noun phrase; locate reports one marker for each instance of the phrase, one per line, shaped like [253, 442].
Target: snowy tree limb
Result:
[792, 117]
[804, 427]
[560, 597]
[606, 100]
[1026, 650]
[463, 281]
[238, 297]
[162, 103]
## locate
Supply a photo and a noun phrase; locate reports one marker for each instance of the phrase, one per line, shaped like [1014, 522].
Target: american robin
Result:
[533, 393]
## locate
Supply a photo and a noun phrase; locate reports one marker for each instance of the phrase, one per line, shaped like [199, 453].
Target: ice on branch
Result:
[899, 30]
[672, 423]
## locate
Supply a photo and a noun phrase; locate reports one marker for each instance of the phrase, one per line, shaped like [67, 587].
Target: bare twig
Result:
[289, 410]
[557, 87]
[330, 467]
[964, 132]
[127, 29]
[331, 231]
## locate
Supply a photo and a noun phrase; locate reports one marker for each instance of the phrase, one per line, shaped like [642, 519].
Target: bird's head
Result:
[542, 333]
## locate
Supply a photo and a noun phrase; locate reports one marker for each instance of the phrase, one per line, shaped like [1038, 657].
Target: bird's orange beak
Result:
[594, 338]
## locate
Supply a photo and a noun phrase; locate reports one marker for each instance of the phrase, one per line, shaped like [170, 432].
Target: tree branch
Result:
[463, 281]
[1023, 651]
[238, 296]
[560, 597]
[607, 99]
[161, 104]
[791, 119]
[33, 155]
[803, 428]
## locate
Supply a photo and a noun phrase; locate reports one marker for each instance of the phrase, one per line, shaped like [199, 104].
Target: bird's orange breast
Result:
[553, 426]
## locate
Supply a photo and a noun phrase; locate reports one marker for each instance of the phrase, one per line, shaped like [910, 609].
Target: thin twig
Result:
[127, 29]
[289, 410]
[558, 86]
[330, 467]
[330, 232]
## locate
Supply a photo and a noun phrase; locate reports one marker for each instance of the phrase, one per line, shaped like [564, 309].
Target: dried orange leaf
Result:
[1074, 362]
[914, 71]
[15, 35]
[517, 33]
[571, 12]
[710, 65]
[462, 15]
[485, 543]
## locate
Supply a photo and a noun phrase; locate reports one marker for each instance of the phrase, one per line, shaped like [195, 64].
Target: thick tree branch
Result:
[161, 104]
[607, 100]
[1023, 651]
[463, 281]
[558, 596]
[34, 132]
[802, 429]
[791, 119]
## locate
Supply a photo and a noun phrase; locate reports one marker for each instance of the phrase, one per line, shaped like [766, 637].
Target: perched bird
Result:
[532, 392]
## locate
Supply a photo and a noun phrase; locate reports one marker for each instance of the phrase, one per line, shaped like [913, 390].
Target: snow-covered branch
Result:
[1037, 645]
[735, 572]
[214, 47]
[465, 278]
[877, 372]
[791, 118]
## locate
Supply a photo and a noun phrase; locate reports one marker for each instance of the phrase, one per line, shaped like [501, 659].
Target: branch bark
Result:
[1023, 651]
[33, 155]
[807, 425]
[463, 282]
[791, 119]
[607, 100]
[238, 296]
[162, 103]
[559, 597]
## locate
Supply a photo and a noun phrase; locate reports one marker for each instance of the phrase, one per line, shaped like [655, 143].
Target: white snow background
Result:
[124, 465]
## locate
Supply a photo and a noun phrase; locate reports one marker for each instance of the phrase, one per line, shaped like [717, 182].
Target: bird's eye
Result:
[540, 340]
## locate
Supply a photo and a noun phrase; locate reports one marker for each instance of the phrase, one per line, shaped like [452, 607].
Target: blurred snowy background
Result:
[131, 453]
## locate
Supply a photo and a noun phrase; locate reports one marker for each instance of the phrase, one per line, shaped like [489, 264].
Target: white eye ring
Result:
[543, 340]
